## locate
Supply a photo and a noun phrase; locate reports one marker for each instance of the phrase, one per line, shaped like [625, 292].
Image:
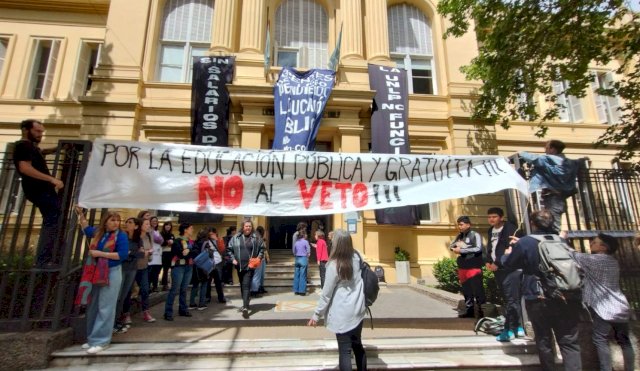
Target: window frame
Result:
[566, 111]
[407, 62]
[609, 113]
[49, 73]
[85, 66]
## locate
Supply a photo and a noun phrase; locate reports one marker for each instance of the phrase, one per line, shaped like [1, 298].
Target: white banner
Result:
[125, 174]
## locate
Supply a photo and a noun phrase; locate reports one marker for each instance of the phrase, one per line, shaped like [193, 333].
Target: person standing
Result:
[167, 237]
[218, 249]
[549, 316]
[553, 179]
[108, 242]
[468, 245]
[508, 280]
[241, 248]
[227, 268]
[39, 187]
[608, 306]
[301, 252]
[342, 301]
[322, 255]
[257, 283]
[181, 271]
[142, 273]
[155, 264]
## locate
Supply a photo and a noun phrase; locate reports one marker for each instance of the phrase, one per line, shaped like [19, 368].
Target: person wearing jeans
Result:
[342, 301]
[301, 251]
[181, 271]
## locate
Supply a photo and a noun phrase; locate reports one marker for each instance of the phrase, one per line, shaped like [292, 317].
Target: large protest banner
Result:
[389, 132]
[210, 111]
[299, 100]
[125, 174]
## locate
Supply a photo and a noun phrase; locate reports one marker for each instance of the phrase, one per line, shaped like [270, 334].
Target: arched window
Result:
[411, 47]
[186, 32]
[301, 34]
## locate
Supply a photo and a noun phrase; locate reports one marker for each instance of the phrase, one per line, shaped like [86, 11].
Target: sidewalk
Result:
[399, 311]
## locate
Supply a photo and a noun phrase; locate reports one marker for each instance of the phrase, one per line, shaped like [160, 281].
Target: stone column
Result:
[223, 33]
[253, 26]
[376, 29]
[351, 30]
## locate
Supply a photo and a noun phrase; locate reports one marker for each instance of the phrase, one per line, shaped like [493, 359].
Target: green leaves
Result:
[526, 45]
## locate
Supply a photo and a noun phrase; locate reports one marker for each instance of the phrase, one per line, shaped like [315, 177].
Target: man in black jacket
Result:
[508, 280]
[549, 316]
[468, 244]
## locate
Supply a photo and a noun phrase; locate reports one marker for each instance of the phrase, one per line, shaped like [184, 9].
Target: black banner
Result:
[210, 100]
[389, 130]
[209, 112]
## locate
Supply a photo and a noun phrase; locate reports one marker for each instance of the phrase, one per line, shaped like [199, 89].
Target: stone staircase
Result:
[433, 353]
[280, 270]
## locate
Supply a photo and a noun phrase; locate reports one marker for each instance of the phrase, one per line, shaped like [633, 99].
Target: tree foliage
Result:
[526, 45]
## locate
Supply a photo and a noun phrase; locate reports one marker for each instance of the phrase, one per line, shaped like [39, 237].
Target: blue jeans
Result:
[300, 275]
[128, 276]
[351, 340]
[142, 278]
[180, 279]
[102, 309]
[258, 277]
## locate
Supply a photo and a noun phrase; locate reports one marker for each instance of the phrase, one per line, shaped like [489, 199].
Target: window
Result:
[44, 67]
[186, 32]
[4, 43]
[429, 212]
[411, 47]
[301, 35]
[606, 106]
[87, 62]
[570, 106]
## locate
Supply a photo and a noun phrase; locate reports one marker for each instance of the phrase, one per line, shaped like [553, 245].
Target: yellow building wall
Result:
[127, 102]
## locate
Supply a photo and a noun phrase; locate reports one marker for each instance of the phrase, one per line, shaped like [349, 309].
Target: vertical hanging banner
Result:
[210, 100]
[210, 112]
[389, 131]
[300, 98]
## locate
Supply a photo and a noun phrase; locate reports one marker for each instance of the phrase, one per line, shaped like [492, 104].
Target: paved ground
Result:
[399, 311]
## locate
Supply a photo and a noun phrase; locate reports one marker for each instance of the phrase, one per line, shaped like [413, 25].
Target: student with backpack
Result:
[549, 309]
[342, 302]
[608, 306]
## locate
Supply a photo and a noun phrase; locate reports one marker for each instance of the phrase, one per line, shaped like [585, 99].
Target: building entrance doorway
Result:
[282, 228]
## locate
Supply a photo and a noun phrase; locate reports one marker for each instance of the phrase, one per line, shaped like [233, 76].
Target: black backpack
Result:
[490, 325]
[370, 285]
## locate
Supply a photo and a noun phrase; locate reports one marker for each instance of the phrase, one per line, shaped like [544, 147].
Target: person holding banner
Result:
[241, 248]
[181, 271]
[108, 242]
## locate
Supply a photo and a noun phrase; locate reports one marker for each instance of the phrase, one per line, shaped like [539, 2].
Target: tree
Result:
[527, 45]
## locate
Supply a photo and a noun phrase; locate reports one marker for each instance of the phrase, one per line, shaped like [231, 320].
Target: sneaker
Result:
[245, 312]
[506, 335]
[193, 306]
[185, 314]
[520, 333]
[168, 317]
[202, 307]
[119, 329]
[147, 317]
[85, 346]
[126, 318]
[97, 349]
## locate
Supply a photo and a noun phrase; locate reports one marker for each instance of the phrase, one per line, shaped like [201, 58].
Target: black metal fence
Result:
[608, 201]
[34, 296]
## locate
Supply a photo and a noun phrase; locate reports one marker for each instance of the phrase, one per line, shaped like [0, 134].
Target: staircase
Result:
[442, 353]
[280, 269]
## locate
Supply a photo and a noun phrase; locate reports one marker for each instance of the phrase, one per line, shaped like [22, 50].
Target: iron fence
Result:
[607, 201]
[34, 296]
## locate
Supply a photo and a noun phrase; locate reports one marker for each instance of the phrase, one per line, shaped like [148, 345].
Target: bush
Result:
[401, 255]
[445, 271]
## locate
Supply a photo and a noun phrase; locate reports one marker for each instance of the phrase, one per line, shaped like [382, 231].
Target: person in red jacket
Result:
[322, 254]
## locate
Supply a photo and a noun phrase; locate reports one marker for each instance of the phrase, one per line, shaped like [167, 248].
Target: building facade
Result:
[121, 69]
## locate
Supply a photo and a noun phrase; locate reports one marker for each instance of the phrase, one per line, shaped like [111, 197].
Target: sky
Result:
[634, 4]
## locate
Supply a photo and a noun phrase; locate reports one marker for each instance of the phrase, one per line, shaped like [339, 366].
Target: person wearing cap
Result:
[468, 245]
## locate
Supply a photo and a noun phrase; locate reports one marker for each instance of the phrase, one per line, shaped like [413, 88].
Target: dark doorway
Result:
[282, 228]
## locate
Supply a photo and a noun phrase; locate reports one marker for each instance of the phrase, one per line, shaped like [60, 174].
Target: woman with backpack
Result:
[200, 276]
[342, 301]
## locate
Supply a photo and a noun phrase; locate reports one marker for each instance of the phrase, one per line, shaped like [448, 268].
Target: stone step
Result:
[459, 352]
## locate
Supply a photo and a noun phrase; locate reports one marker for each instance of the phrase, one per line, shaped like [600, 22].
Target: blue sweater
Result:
[122, 244]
